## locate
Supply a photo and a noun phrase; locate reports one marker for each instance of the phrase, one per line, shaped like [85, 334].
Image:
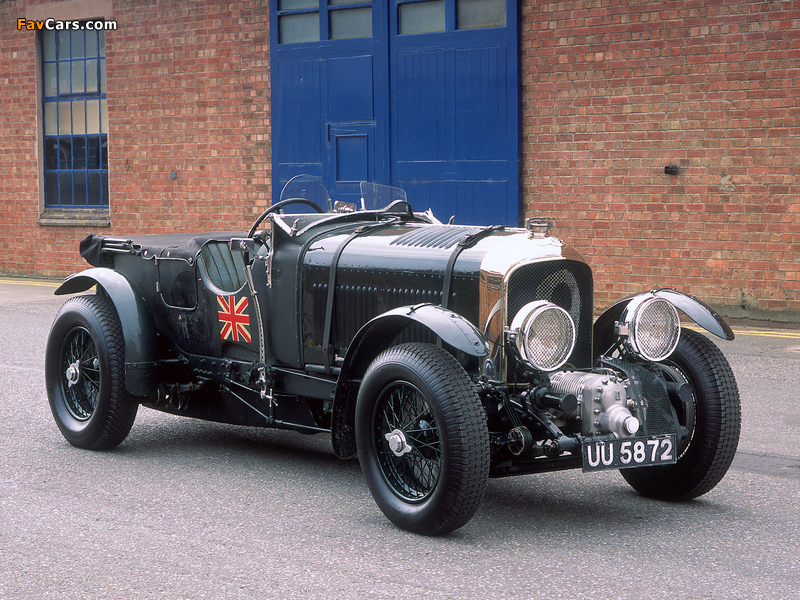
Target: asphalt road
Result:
[187, 509]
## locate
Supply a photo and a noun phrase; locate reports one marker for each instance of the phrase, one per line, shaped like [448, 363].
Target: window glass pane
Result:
[79, 181]
[78, 117]
[93, 153]
[351, 23]
[332, 2]
[77, 77]
[101, 36]
[63, 44]
[64, 121]
[64, 153]
[481, 13]
[51, 188]
[421, 17]
[49, 52]
[293, 4]
[92, 116]
[95, 189]
[50, 119]
[50, 80]
[103, 75]
[65, 188]
[103, 117]
[104, 154]
[91, 75]
[51, 154]
[105, 187]
[78, 153]
[295, 29]
[63, 78]
[91, 43]
[77, 44]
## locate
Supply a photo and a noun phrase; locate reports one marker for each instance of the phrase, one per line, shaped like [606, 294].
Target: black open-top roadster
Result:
[441, 355]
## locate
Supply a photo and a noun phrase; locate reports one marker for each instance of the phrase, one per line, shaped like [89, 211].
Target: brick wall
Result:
[615, 90]
[188, 92]
[19, 188]
[612, 92]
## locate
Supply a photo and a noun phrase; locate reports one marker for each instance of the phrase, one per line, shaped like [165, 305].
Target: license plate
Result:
[625, 453]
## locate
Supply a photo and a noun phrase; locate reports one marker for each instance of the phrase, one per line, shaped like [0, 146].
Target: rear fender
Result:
[375, 337]
[138, 327]
[698, 311]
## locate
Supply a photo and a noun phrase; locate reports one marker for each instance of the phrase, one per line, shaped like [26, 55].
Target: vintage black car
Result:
[441, 355]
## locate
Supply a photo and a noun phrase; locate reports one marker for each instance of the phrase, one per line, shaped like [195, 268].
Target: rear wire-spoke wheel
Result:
[712, 420]
[85, 374]
[80, 364]
[422, 439]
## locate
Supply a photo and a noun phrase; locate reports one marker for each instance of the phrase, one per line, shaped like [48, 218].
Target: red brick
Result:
[611, 92]
[188, 87]
[709, 86]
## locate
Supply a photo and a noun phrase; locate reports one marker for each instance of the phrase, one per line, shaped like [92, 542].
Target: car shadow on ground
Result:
[544, 504]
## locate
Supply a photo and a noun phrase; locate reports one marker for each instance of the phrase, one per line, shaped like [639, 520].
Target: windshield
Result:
[306, 187]
[375, 196]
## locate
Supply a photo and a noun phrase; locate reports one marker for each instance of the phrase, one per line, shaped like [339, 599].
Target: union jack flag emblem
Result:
[234, 318]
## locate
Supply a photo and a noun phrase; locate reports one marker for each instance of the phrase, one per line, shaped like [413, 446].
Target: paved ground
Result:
[186, 509]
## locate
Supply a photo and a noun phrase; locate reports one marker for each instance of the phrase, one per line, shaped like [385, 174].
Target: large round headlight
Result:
[543, 334]
[650, 328]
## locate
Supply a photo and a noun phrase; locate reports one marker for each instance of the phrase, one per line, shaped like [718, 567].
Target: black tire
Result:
[713, 420]
[85, 374]
[437, 482]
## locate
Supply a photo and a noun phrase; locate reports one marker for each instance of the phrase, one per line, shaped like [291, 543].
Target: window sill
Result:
[75, 217]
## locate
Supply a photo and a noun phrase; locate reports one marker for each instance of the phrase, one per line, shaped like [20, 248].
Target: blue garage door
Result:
[421, 94]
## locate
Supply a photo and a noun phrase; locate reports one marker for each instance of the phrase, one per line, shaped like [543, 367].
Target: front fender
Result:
[698, 311]
[375, 337]
[138, 327]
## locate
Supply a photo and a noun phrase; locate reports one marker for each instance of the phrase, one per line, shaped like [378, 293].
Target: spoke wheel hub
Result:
[73, 373]
[398, 443]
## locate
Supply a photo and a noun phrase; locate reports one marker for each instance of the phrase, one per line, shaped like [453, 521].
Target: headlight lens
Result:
[544, 335]
[653, 328]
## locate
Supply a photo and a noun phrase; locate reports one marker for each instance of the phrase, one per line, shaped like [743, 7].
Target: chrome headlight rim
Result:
[521, 330]
[631, 327]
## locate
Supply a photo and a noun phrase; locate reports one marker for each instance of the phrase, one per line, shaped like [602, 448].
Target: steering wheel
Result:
[278, 206]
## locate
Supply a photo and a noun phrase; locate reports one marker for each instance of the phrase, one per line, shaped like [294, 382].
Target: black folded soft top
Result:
[175, 245]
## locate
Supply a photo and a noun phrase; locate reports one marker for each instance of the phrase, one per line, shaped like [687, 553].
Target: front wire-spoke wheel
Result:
[422, 439]
[407, 442]
[712, 420]
[85, 374]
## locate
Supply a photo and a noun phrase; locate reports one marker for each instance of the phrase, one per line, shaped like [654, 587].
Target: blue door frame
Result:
[434, 113]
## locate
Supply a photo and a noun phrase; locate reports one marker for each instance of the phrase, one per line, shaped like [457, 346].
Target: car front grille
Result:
[566, 283]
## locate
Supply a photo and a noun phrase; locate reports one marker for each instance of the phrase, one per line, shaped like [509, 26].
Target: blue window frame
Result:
[429, 16]
[303, 21]
[75, 119]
